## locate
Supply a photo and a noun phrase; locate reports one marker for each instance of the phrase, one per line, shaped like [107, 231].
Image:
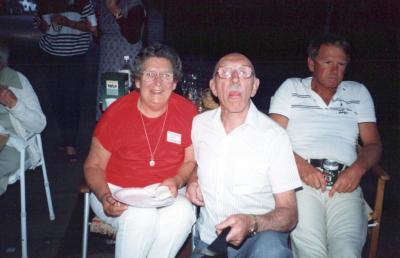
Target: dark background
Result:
[273, 33]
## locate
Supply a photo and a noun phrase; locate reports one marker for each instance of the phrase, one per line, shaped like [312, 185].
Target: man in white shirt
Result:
[246, 173]
[324, 116]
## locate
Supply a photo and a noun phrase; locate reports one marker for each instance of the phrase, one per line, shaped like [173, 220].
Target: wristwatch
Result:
[254, 226]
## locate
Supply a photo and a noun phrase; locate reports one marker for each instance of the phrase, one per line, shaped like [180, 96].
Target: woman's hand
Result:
[173, 184]
[112, 207]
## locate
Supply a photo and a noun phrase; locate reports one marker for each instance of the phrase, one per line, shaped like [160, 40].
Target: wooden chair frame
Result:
[373, 231]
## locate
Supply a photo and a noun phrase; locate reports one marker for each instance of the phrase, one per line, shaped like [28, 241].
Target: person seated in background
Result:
[20, 114]
[246, 173]
[324, 117]
[142, 139]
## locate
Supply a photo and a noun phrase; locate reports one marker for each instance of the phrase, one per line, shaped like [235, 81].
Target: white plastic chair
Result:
[20, 144]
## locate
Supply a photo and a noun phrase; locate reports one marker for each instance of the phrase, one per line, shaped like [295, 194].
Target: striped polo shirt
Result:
[319, 130]
[63, 40]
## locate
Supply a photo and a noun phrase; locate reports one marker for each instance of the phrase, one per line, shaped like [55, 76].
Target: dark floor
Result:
[61, 238]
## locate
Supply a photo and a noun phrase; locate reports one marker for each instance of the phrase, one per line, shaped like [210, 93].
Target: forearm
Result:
[27, 110]
[302, 164]
[79, 25]
[185, 172]
[32, 119]
[281, 220]
[284, 217]
[368, 156]
[95, 178]
[193, 178]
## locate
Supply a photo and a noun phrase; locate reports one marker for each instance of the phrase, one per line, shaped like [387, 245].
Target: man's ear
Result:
[310, 64]
[174, 86]
[212, 87]
[256, 84]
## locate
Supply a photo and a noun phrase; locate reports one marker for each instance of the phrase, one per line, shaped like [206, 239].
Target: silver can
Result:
[330, 170]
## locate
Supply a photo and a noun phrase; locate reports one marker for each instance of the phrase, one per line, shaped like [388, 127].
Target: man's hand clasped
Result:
[313, 177]
[347, 181]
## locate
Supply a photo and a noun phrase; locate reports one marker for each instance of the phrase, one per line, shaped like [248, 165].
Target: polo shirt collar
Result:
[307, 84]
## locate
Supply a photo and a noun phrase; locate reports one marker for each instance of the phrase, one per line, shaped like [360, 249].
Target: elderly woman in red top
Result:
[143, 139]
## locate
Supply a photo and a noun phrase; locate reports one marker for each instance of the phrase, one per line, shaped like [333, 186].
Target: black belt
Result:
[319, 163]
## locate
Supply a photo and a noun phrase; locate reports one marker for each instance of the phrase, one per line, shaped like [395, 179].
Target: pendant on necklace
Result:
[152, 163]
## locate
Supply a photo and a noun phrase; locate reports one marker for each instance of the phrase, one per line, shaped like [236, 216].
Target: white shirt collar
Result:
[251, 117]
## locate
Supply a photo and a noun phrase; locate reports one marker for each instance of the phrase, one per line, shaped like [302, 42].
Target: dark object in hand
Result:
[219, 246]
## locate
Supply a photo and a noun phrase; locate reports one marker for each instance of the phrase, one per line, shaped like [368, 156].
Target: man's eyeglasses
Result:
[244, 72]
[151, 76]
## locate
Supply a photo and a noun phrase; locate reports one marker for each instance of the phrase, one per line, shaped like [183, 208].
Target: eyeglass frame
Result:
[232, 70]
[157, 75]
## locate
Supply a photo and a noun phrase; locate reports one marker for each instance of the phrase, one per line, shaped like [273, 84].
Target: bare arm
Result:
[183, 174]
[369, 155]
[280, 119]
[78, 25]
[193, 191]
[94, 169]
[283, 218]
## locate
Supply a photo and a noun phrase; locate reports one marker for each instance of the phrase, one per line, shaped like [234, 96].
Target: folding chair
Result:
[99, 226]
[84, 189]
[20, 144]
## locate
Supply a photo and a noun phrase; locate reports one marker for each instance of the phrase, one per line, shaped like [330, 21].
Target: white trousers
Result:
[149, 232]
[329, 227]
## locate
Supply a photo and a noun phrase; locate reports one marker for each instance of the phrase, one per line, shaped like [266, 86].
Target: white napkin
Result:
[157, 192]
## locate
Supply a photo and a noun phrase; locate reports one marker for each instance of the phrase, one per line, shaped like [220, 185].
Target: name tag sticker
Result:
[174, 137]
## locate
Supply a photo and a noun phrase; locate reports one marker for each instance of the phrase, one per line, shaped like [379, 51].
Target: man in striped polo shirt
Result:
[324, 117]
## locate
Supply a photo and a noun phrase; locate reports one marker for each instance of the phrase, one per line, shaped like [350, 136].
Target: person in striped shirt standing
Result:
[67, 26]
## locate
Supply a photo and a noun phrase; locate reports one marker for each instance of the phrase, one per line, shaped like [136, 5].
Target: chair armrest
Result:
[382, 177]
[380, 173]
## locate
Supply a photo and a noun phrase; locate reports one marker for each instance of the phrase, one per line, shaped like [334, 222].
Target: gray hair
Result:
[160, 51]
[4, 52]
